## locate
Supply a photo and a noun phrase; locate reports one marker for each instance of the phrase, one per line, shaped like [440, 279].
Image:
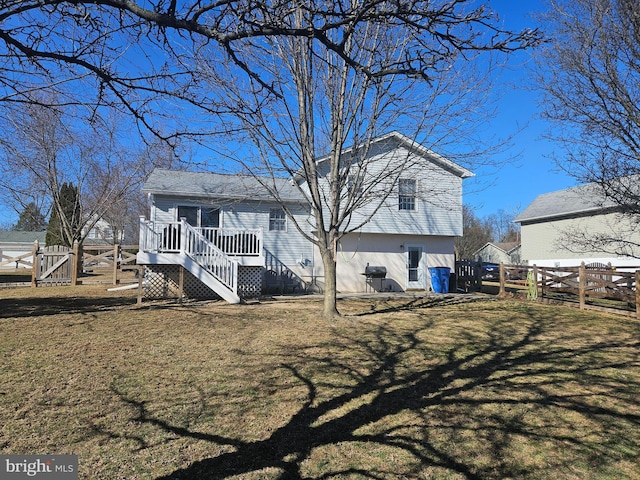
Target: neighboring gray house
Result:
[500, 252]
[547, 224]
[236, 240]
[16, 248]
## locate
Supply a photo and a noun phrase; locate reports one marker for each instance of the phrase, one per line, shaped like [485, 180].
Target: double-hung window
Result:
[277, 219]
[406, 194]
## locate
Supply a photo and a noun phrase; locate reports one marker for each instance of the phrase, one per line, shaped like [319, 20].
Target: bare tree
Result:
[46, 147]
[502, 226]
[306, 80]
[121, 182]
[313, 105]
[616, 234]
[477, 233]
[589, 72]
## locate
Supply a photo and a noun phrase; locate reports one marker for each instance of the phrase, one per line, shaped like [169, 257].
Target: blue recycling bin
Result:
[440, 279]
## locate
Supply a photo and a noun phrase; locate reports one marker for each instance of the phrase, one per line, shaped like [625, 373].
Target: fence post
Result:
[638, 294]
[535, 279]
[140, 283]
[502, 289]
[582, 284]
[181, 283]
[116, 255]
[75, 260]
[35, 265]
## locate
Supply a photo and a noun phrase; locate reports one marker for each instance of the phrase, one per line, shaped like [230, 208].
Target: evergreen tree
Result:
[64, 223]
[31, 219]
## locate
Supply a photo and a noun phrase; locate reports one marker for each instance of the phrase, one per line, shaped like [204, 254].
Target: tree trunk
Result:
[330, 310]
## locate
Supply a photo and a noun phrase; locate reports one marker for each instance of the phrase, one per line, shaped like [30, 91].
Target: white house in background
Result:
[102, 233]
[546, 221]
[235, 240]
[16, 248]
[499, 252]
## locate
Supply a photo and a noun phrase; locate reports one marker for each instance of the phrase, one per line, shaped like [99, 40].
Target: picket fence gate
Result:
[54, 265]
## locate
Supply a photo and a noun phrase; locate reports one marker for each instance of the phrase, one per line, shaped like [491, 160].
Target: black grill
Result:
[375, 272]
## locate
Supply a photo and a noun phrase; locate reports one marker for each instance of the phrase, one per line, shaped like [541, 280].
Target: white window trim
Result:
[414, 196]
[199, 207]
[283, 220]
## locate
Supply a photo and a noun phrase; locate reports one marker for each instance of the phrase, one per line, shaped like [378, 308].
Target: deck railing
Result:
[165, 237]
[214, 249]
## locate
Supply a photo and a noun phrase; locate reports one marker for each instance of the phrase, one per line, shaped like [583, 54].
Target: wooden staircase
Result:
[178, 243]
[211, 265]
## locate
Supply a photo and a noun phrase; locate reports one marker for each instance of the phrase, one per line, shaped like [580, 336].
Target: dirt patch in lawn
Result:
[398, 388]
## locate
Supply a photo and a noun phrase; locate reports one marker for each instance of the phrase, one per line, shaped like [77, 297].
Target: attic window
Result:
[277, 219]
[406, 194]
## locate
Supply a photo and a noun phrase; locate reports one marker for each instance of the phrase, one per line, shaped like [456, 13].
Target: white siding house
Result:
[16, 248]
[413, 230]
[550, 218]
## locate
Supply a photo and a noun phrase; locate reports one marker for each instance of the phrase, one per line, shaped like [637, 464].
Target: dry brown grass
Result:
[418, 388]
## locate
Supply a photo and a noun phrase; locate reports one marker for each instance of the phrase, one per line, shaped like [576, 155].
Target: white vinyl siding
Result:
[438, 200]
[543, 240]
[288, 247]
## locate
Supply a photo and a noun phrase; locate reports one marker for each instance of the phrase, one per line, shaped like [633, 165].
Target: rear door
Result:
[416, 267]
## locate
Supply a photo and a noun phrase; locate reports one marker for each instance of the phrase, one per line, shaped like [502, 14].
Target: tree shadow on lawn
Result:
[420, 302]
[42, 306]
[477, 403]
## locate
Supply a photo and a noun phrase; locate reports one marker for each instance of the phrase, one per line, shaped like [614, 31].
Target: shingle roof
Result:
[571, 201]
[419, 149]
[199, 184]
[15, 236]
[507, 246]
[234, 186]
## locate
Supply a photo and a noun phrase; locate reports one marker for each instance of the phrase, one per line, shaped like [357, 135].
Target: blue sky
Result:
[517, 183]
[532, 173]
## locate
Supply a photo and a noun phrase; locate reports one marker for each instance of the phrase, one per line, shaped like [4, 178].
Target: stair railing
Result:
[208, 256]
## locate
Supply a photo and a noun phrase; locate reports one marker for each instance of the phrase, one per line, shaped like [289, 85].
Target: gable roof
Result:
[250, 187]
[581, 200]
[506, 247]
[411, 145]
[200, 184]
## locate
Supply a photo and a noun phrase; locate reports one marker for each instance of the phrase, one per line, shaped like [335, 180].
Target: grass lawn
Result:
[422, 388]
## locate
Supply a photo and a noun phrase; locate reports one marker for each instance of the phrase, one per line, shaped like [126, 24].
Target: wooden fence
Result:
[54, 265]
[24, 259]
[114, 258]
[468, 275]
[58, 265]
[584, 283]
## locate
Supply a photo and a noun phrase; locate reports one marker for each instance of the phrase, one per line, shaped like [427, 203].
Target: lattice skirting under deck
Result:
[163, 281]
[249, 282]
